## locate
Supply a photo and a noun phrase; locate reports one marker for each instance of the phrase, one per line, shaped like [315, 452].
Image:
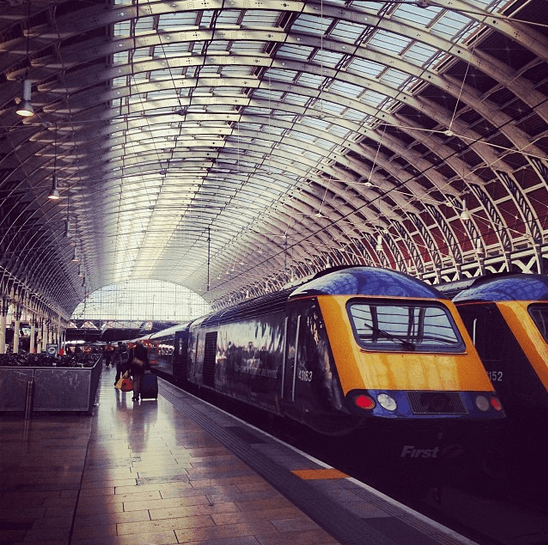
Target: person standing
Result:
[139, 364]
[108, 354]
[121, 360]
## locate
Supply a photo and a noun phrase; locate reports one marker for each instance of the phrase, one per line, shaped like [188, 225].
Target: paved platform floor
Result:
[175, 470]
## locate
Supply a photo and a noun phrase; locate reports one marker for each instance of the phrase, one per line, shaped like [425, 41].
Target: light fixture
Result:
[75, 258]
[67, 228]
[53, 194]
[25, 109]
[378, 247]
[465, 214]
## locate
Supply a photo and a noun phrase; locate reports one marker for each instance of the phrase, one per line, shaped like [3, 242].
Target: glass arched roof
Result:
[142, 300]
[233, 146]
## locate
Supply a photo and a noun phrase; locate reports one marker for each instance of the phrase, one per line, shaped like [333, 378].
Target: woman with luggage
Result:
[139, 364]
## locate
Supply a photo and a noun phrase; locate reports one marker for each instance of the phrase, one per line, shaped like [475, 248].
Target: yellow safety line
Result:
[310, 474]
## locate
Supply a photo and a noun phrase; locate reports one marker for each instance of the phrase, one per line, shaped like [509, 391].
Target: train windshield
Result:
[404, 326]
[539, 314]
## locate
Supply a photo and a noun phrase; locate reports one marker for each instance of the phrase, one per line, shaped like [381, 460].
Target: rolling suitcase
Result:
[149, 386]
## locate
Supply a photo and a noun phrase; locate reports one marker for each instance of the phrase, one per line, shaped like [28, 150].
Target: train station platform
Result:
[176, 470]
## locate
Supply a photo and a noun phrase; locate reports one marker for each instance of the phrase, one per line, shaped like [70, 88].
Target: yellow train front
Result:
[507, 317]
[359, 350]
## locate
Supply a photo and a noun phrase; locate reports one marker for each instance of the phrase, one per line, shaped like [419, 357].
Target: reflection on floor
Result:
[135, 473]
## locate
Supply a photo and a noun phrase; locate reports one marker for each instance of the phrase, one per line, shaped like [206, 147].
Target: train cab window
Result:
[404, 326]
[539, 314]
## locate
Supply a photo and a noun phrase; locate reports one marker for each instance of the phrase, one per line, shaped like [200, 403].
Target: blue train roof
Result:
[518, 287]
[367, 281]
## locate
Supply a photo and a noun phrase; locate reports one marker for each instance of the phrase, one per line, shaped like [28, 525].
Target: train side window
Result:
[539, 314]
[404, 326]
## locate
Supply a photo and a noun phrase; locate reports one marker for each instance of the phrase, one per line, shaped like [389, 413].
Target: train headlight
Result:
[387, 402]
[482, 403]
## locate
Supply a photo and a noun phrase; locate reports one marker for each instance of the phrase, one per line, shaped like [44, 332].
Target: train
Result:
[352, 350]
[506, 315]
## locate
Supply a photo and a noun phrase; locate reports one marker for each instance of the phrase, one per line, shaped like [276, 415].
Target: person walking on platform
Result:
[139, 364]
[121, 360]
[109, 349]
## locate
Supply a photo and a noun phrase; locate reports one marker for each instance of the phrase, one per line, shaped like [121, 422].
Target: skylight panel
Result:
[144, 25]
[218, 45]
[420, 53]
[141, 53]
[415, 14]
[372, 98]
[237, 71]
[311, 24]
[394, 78]
[450, 24]
[339, 131]
[122, 29]
[268, 94]
[172, 49]
[247, 47]
[294, 52]
[346, 89]
[260, 18]
[304, 136]
[389, 41]
[345, 30]
[178, 20]
[311, 80]
[328, 58]
[365, 67]
[120, 58]
[276, 74]
[156, 75]
[311, 156]
[295, 99]
[229, 17]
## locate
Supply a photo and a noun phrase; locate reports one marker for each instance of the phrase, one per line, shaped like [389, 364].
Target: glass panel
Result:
[404, 327]
[539, 314]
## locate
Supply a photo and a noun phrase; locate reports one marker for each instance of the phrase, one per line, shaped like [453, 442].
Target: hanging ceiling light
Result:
[465, 214]
[25, 109]
[53, 194]
[379, 247]
[75, 258]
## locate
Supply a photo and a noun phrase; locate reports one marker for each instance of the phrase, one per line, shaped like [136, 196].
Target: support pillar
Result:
[4, 307]
[32, 339]
[17, 329]
[40, 342]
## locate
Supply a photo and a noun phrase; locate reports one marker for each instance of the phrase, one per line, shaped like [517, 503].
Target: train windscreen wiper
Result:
[381, 333]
